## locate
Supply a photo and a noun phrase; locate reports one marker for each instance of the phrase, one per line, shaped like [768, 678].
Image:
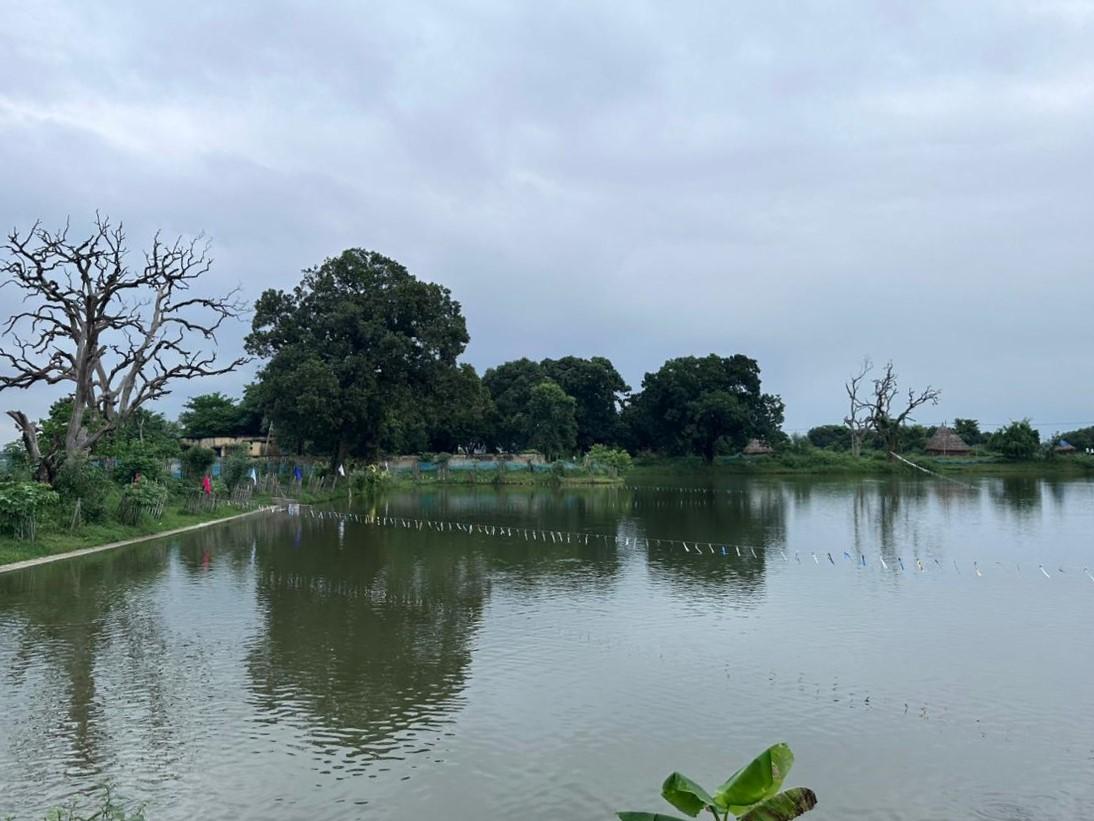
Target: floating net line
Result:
[726, 550]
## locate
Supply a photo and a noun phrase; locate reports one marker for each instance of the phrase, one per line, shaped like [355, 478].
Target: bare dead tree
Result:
[885, 417]
[117, 337]
[858, 419]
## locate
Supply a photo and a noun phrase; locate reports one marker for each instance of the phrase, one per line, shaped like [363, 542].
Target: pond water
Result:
[939, 666]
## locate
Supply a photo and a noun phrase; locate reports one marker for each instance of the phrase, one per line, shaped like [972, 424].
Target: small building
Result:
[1065, 448]
[255, 446]
[947, 443]
[757, 448]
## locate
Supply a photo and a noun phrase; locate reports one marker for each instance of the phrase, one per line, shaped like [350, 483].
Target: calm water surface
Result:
[292, 667]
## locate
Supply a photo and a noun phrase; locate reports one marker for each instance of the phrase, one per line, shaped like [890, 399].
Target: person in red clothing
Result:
[206, 485]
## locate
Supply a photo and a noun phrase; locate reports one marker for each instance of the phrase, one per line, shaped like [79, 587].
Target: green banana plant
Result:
[750, 794]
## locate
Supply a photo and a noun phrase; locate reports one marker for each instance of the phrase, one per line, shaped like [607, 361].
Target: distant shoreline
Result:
[23, 564]
[828, 463]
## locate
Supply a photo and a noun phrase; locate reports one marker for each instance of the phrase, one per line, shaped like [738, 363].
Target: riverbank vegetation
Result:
[360, 362]
[124, 489]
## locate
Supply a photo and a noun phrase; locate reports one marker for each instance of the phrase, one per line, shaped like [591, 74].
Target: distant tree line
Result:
[1018, 440]
[361, 359]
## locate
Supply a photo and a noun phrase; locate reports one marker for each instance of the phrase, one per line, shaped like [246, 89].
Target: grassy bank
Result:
[825, 462]
[53, 538]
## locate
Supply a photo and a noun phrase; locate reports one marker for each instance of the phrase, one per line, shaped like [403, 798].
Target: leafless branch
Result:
[121, 336]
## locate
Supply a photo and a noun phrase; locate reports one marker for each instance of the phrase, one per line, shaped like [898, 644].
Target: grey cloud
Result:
[802, 182]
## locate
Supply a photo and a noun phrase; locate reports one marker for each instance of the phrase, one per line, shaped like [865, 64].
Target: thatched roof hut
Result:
[1065, 447]
[947, 443]
[757, 448]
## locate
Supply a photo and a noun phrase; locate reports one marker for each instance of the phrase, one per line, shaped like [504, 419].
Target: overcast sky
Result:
[801, 182]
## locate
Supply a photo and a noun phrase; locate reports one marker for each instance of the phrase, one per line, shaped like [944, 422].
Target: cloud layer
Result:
[802, 182]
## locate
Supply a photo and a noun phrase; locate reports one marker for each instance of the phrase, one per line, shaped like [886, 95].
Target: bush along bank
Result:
[602, 465]
[88, 507]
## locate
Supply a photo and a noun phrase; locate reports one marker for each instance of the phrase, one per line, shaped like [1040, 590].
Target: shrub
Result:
[142, 500]
[14, 462]
[371, 478]
[615, 460]
[235, 467]
[1016, 441]
[80, 480]
[196, 461]
[21, 504]
[135, 457]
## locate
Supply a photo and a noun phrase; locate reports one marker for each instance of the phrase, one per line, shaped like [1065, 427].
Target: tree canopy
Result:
[510, 385]
[597, 389]
[593, 383]
[463, 414]
[213, 414]
[357, 339]
[969, 431]
[1016, 441]
[835, 437]
[700, 404]
[1082, 438]
[552, 420]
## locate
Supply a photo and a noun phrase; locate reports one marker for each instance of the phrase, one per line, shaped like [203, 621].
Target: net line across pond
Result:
[724, 550]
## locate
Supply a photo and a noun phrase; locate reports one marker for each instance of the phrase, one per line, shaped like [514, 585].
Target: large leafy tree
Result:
[552, 420]
[598, 389]
[356, 340]
[464, 415]
[510, 385]
[693, 405]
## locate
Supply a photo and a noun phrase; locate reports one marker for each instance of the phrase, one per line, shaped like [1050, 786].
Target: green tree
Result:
[834, 437]
[1082, 438]
[355, 341]
[144, 442]
[598, 389]
[685, 407]
[552, 420]
[464, 415]
[1016, 441]
[235, 467]
[969, 431]
[913, 437]
[213, 414]
[713, 418]
[510, 385]
[295, 392]
[141, 443]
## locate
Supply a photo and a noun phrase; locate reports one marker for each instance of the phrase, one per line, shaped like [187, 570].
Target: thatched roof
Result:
[1064, 446]
[946, 441]
[757, 448]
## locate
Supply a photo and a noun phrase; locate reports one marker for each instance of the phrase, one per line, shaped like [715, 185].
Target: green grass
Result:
[54, 537]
